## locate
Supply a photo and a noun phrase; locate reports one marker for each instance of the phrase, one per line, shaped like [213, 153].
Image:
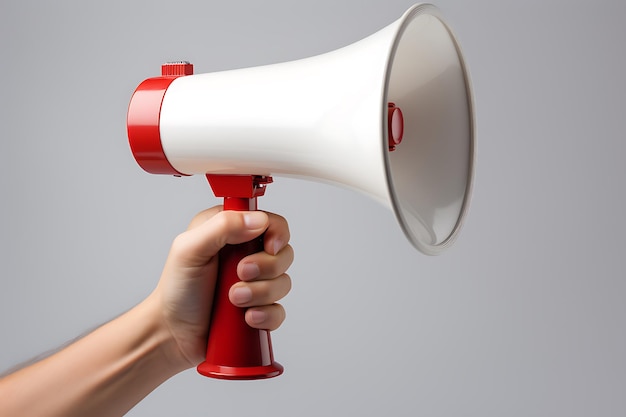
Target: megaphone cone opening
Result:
[430, 176]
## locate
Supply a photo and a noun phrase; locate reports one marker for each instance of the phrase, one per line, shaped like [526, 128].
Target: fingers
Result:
[264, 280]
[266, 317]
[204, 239]
[258, 293]
[262, 265]
[263, 276]
[277, 234]
[260, 297]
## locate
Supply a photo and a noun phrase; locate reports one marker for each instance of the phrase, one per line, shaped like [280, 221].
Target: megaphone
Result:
[390, 116]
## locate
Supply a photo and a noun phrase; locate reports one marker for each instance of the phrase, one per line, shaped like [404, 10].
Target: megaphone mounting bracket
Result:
[238, 186]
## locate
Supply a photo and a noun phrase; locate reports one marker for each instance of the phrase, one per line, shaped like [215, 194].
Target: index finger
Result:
[277, 234]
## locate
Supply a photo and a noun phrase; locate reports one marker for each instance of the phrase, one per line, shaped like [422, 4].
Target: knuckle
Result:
[288, 282]
[264, 291]
[180, 243]
[278, 317]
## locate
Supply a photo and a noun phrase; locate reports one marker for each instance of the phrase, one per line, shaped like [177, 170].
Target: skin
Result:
[110, 370]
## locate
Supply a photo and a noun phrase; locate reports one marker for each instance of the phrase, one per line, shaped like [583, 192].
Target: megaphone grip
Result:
[234, 349]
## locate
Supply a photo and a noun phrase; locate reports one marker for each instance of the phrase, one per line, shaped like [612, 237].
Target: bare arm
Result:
[107, 372]
[103, 374]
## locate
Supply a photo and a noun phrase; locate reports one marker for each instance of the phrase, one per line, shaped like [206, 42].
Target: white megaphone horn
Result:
[390, 116]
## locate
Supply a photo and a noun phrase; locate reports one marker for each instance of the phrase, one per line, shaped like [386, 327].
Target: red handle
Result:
[235, 350]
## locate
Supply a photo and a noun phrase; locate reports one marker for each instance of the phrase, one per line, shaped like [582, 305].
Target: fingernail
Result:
[278, 246]
[249, 271]
[241, 295]
[254, 219]
[257, 316]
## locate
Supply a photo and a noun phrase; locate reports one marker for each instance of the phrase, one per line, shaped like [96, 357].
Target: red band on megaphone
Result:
[144, 137]
[144, 115]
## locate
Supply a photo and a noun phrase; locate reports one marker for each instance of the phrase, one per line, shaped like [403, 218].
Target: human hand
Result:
[186, 288]
[165, 333]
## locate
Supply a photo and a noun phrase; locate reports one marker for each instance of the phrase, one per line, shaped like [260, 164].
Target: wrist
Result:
[160, 338]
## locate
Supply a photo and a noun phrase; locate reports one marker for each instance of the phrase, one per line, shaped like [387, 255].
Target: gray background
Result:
[524, 316]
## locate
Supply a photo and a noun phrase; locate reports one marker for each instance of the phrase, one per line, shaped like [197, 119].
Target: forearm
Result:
[104, 374]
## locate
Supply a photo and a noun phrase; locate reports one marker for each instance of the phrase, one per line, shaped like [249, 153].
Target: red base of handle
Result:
[237, 372]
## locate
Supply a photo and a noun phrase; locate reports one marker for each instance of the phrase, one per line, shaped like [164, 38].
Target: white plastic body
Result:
[325, 118]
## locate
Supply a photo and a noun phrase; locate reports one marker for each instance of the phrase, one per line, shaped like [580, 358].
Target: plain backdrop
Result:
[523, 316]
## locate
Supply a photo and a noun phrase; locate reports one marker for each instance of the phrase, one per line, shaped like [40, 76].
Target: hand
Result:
[185, 290]
[108, 371]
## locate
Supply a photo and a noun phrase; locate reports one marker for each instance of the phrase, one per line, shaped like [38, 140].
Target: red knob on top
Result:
[176, 69]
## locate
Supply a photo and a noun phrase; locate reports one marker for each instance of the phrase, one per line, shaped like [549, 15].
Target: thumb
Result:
[197, 246]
